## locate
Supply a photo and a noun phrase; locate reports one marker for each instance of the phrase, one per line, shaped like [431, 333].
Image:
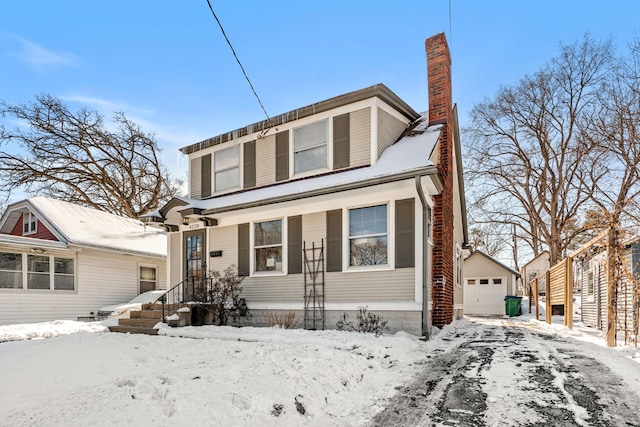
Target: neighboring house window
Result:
[43, 272]
[63, 278]
[38, 272]
[10, 270]
[29, 223]
[368, 236]
[310, 147]
[148, 279]
[268, 245]
[590, 285]
[471, 281]
[227, 168]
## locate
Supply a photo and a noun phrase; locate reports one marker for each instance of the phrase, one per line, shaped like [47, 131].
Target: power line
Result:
[238, 60]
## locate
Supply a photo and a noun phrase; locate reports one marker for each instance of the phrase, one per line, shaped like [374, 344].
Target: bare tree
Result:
[74, 157]
[526, 160]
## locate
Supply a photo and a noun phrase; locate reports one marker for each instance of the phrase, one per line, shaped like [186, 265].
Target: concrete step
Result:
[133, 330]
[150, 323]
[170, 307]
[146, 314]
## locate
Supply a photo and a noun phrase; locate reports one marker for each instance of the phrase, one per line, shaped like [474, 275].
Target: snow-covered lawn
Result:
[220, 375]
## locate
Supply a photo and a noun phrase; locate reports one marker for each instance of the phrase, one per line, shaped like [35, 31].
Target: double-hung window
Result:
[10, 270]
[310, 147]
[590, 285]
[63, 274]
[227, 168]
[148, 279]
[29, 223]
[268, 245]
[368, 236]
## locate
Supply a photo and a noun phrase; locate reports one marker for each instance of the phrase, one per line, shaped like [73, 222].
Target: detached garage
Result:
[486, 283]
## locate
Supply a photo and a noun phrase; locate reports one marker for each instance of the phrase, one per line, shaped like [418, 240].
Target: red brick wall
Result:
[440, 112]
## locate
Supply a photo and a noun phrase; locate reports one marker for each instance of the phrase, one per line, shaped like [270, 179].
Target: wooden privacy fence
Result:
[558, 283]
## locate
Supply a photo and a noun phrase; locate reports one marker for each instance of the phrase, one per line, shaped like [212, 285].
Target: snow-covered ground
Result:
[211, 375]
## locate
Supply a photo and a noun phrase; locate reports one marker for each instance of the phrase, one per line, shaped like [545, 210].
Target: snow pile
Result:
[56, 328]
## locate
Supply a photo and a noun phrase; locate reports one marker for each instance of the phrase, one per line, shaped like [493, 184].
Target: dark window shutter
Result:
[249, 170]
[294, 242]
[405, 233]
[282, 156]
[243, 249]
[341, 141]
[205, 189]
[334, 240]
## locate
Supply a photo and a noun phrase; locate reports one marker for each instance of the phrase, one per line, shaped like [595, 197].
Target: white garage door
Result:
[485, 296]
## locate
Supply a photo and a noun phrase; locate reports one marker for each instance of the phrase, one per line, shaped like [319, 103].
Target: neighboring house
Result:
[536, 266]
[363, 176]
[486, 283]
[590, 272]
[63, 261]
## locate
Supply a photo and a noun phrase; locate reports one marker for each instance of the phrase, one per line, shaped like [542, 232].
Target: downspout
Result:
[425, 257]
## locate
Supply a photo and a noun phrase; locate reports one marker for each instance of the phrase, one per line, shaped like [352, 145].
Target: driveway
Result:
[512, 373]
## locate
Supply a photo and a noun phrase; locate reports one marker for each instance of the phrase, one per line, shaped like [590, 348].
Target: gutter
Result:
[427, 171]
[425, 258]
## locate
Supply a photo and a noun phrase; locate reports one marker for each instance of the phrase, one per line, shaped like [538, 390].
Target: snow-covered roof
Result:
[411, 154]
[88, 227]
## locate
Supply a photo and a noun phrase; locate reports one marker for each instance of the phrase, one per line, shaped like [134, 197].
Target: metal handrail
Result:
[191, 289]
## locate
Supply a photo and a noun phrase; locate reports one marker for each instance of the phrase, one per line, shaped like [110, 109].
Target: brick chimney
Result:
[441, 112]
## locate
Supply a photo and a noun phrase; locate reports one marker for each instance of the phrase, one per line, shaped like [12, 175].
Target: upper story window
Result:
[29, 223]
[368, 236]
[310, 147]
[226, 168]
[268, 245]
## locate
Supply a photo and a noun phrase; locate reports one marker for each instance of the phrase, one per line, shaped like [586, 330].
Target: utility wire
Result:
[238, 60]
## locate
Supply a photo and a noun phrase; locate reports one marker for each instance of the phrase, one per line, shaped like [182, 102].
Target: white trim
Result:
[346, 257]
[156, 267]
[239, 148]
[373, 152]
[32, 217]
[328, 143]
[252, 248]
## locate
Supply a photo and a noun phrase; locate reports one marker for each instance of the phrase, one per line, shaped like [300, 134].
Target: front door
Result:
[194, 261]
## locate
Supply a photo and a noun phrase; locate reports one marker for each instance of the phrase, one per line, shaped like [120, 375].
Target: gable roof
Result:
[541, 254]
[493, 260]
[408, 157]
[88, 227]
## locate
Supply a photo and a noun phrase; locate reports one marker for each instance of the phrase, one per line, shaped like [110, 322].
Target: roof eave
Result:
[426, 171]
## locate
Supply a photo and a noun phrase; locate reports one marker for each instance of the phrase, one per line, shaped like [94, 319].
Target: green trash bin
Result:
[512, 305]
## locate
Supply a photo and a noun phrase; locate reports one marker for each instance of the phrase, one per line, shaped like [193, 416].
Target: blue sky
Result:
[166, 65]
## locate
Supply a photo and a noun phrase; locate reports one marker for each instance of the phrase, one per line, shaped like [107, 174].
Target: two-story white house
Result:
[374, 184]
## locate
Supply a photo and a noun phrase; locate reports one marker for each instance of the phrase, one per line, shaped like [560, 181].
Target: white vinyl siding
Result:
[102, 278]
[175, 258]
[389, 130]
[223, 239]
